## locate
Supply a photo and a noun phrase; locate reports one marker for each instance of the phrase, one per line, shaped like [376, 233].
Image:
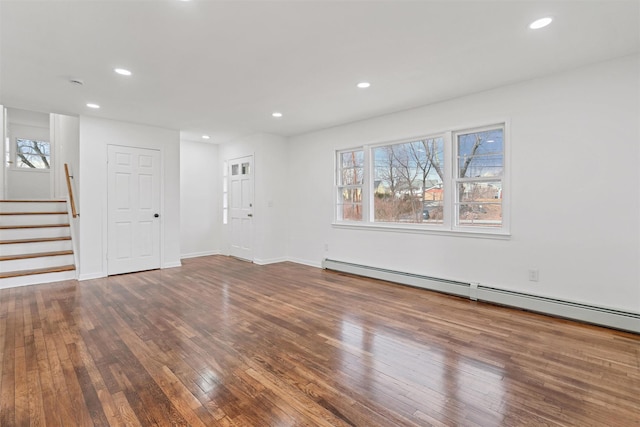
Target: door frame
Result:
[105, 204]
[3, 147]
[253, 197]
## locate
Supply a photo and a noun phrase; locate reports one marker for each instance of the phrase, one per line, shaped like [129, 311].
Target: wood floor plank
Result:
[220, 342]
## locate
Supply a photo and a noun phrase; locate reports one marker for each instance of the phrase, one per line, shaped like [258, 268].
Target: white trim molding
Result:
[199, 254]
[269, 261]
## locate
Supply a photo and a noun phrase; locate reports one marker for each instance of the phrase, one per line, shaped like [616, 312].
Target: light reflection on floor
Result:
[371, 358]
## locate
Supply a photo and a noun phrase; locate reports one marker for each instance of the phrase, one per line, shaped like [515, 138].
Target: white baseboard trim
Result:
[171, 264]
[306, 262]
[269, 261]
[199, 254]
[617, 319]
[91, 276]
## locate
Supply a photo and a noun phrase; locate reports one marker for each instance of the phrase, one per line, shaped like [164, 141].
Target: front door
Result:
[133, 209]
[241, 207]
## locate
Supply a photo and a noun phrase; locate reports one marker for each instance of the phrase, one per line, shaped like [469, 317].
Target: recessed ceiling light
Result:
[540, 23]
[95, 106]
[122, 71]
[205, 136]
[276, 114]
[363, 85]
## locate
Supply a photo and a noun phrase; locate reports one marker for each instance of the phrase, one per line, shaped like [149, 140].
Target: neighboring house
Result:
[434, 194]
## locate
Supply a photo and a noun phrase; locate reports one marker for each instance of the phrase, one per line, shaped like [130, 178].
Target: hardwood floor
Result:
[221, 342]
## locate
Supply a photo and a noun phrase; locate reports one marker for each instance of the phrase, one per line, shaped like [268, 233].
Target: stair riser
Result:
[33, 233]
[35, 279]
[32, 206]
[33, 263]
[37, 247]
[33, 219]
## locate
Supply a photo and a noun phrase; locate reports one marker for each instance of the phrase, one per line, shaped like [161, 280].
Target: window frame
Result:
[450, 225]
[456, 180]
[339, 186]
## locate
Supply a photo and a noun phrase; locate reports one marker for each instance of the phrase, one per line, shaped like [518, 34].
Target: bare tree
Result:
[28, 149]
[408, 174]
[386, 204]
[425, 156]
[467, 161]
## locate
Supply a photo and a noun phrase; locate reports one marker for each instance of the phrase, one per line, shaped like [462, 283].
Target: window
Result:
[478, 182]
[408, 181]
[32, 154]
[350, 180]
[450, 182]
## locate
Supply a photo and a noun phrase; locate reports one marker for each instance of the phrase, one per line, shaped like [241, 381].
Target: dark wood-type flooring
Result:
[221, 342]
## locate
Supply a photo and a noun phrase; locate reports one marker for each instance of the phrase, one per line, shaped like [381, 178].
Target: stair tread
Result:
[35, 255]
[34, 213]
[8, 227]
[57, 269]
[38, 240]
[32, 201]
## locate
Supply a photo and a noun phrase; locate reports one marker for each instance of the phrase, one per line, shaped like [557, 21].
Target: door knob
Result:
[249, 214]
[156, 215]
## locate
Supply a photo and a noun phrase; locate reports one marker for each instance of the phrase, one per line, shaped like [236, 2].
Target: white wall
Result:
[65, 138]
[200, 199]
[575, 210]
[95, 135]
[271, 194]
[23, 183]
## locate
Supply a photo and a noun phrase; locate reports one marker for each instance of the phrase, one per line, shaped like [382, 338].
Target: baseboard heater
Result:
[616, 319]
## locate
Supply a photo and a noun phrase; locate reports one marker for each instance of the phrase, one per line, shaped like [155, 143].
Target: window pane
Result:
[234, 169]
[245, 169]
[480, 166]
[32, 154]
[350, 212]
[480, 214]
[352, 159]
[352, 176]
[350, 195]
[481, 153]
[350, 204]
[407, 175]
[479, 191]
[480, 204]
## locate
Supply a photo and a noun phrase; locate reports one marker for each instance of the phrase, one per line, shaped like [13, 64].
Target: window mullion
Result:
[450, 156]
[367, 183]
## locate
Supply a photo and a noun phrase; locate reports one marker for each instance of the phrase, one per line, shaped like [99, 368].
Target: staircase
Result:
[35, 242]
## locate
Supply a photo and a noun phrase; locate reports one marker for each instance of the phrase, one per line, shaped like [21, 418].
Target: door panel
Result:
[241, 207]
[133, 200]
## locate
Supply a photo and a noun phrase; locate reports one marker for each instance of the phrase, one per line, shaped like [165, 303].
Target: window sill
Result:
[416, 229]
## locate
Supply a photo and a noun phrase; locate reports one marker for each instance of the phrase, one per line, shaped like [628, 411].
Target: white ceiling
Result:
[222, 67]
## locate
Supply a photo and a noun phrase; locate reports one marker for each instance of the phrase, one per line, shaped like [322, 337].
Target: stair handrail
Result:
[74, 213]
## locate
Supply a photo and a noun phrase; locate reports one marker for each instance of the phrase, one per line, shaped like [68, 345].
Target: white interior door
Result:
[133, 209]
[241, 207]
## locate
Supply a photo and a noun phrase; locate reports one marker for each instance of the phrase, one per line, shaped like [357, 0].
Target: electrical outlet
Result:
[533, 275]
